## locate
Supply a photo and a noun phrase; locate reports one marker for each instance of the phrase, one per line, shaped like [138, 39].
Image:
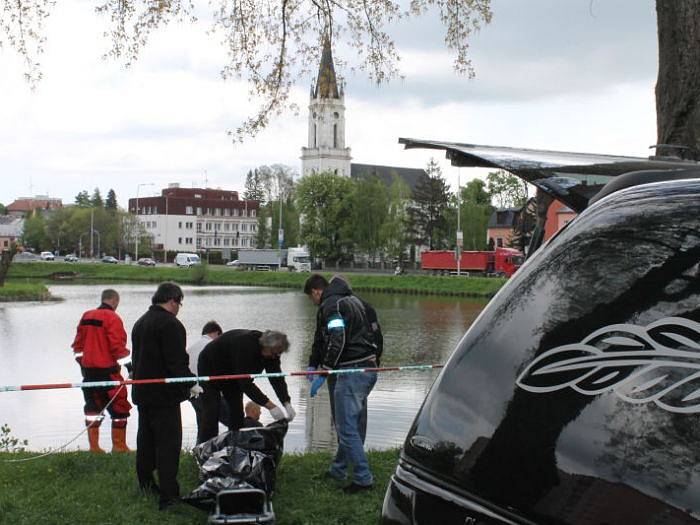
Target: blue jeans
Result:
[349, 397]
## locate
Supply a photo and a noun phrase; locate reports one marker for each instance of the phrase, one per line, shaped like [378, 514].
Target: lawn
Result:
[23, 291]
[218, 275]
[79, 487]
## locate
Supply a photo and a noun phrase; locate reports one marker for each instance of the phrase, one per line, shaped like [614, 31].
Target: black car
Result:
[575, 396]
[109, 259]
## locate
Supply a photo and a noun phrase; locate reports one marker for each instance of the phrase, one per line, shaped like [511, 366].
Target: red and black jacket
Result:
[101, 339]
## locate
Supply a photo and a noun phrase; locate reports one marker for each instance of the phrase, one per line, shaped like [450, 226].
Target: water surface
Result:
[35, 341]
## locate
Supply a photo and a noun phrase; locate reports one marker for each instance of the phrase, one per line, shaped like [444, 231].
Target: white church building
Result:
[326, 150]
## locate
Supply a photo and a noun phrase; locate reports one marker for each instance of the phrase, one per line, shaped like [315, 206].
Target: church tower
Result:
[326, 151]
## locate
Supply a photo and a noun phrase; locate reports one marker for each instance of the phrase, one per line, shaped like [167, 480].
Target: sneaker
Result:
[354, 488]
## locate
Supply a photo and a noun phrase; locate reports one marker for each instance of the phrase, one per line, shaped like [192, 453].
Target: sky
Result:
[574, 75]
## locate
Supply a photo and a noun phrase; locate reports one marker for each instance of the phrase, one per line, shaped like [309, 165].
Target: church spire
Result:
[326, 83]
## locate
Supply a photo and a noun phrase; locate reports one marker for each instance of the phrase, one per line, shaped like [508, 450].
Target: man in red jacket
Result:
[99, 344]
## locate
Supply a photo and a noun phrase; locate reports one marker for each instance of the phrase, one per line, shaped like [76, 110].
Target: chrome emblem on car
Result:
[423, 443]
[657, 363]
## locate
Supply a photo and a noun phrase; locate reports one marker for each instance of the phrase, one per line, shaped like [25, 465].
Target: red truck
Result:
[503, 261]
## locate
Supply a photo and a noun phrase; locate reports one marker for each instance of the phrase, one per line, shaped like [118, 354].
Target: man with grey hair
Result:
[241, 352]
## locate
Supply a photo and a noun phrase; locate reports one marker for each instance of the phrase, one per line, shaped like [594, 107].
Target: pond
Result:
[35, 341]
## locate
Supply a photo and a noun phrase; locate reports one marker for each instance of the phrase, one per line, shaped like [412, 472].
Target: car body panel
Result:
[574, 398]
[572, 178]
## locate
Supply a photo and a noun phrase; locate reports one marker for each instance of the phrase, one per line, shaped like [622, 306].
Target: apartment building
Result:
[198, 219]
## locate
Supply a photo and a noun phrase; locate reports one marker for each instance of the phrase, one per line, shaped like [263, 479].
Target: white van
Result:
[185, 260]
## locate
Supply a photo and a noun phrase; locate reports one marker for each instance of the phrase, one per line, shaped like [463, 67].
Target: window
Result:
[227, 212]
[197, 196]
[179, 225]
[199, 242]
[208, 226]
[199, 226]
[314, 135]
[209, 211]
[179, 240]
[244, 213]
[227, 241]
[335, 135]
[208, 242]
[235, 212]
[253, 227]
[335, 114]
[499, 242]
[252, 213]
[217, 226]
[217, 241]
[188, 225]
[199, 210]
[188, 210]
[244, 227]
[236, 226]
[217, 212]
[227, 227]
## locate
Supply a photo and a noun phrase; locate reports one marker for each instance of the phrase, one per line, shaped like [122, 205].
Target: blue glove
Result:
[317, 384]
[309, 377]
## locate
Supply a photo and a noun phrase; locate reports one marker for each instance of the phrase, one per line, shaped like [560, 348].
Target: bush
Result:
[8, 443]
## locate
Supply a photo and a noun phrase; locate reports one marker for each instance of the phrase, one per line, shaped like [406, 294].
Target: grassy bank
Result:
[411, 284]
[23, 291]
[79, 487]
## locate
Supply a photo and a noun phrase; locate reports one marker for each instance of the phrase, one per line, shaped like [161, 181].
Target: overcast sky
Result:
[574, 75]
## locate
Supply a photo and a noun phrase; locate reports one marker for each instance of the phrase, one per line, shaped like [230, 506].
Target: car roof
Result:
[572, 178]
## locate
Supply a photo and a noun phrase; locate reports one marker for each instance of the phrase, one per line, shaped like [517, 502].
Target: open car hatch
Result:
[572, 178]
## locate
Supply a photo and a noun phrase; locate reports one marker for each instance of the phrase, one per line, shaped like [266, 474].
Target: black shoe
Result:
[167, 503]
[354, 488]
[327, 476]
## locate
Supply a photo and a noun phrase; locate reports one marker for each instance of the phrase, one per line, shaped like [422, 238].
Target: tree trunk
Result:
[678, 83]
[5, 261]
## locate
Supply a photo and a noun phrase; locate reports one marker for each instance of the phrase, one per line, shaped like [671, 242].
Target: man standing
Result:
[99, 343]
[210, 331]
[345, 339]
[316, 358]
[159, 340]
[241, 352]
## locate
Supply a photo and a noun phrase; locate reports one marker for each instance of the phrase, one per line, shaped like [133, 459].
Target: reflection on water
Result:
[35, 341]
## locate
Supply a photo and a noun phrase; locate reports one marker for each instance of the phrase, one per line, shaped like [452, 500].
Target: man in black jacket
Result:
[318, 282]
[158, 349]
[241, 352]
[345, 338]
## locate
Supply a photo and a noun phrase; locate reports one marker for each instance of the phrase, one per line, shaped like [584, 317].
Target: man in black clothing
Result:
[158, 350]
[319, 283]
[241, 352]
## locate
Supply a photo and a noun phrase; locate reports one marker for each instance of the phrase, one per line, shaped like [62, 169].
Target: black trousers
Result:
[211, 397]
[158, 444]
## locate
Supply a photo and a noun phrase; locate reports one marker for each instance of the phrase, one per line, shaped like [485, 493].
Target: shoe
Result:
[354, 488]
[327, 476]
[167, 503]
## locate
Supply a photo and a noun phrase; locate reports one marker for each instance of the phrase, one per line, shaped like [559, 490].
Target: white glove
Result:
[291, 414]
[195, 391]
[277, 413]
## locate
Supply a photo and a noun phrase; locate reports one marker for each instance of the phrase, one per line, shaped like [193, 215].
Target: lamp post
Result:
[459, 228]
[138, 221]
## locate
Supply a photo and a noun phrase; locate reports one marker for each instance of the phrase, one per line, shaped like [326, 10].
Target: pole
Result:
[92, 229]
[138, 220]
[459, 229]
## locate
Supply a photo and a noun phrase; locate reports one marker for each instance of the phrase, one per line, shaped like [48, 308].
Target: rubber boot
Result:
[119, 440]
[94, 440]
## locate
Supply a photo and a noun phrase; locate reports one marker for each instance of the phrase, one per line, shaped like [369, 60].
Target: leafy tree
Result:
[254, 188]
[394, 230]
[3, 209]
[111, 202]
[475, 211]
[96, 200]
[322, 201]
[369, 205]
[34, 233]
[426, 214]
[506, 190]
[82, 199]
[285, 43]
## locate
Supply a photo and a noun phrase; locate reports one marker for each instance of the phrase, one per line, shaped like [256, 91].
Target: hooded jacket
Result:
[345, 335]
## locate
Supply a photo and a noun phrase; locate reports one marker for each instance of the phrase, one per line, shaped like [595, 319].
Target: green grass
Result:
[410, 284]
[23, 291]
[79, 487]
